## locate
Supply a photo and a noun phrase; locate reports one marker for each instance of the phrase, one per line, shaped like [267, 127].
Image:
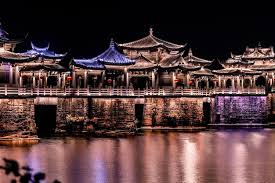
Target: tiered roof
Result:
[258, 53]
[236, 71]
[7, 56]
[43, 52]
[151, 41]
[202, 72]
[109, 57]
[3, 34]
[142, 63]
[190, 58]
[45, 67]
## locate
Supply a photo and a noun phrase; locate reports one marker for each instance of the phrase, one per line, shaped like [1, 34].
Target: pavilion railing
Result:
[14, 91]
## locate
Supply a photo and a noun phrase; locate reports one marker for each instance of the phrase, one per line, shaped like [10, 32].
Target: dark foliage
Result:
[11, 167]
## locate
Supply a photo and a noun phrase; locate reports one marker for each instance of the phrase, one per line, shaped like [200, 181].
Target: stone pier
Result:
[18, 114]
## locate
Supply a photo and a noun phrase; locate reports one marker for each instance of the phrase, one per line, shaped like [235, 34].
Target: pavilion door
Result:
[140, 82]
[139, 114]
[45, 119]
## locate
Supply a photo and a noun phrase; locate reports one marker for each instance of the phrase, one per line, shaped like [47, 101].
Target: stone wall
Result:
[113, 113]
[173, 111]
[17, 114]
[76, 107]
[241, 109]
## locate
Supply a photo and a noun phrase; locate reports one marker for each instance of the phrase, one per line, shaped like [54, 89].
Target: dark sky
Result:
[85, 27]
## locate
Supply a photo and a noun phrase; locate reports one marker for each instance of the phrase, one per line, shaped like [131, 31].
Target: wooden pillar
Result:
[238, 82]
[33, 80]
[173, 79]
[157, 80]
[20, 81]
[59, 80]
[242, 82]
[233, 83]
[220, 82]
[102, 78]
[17, 76]
[207, 83]
[187, 80]
[74, 79]
[11, 75]
[39, 79]
[254, 81]
[127, 79]
[196, 83]
[251, 82]
[224, 83]
[64, 80]
[46, 80]
[85, 79]
[153, 79]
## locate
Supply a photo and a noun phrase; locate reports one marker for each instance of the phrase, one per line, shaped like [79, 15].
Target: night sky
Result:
[85, 28]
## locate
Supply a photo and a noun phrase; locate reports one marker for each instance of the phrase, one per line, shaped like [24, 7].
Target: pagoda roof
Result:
[8, 56]
[45, 67]
[237, 59]
[142, 63]
[43, 52]
[263, 67]
[236, 71]
[151, 41]
[215, 65]
[258, 53]
[4, 37]
[190, 58]
[112, 57]
[202, 72]
[3, 34]
[170, 61]
[89, 64]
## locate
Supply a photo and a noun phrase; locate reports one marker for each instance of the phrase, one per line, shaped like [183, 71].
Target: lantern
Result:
[69, 78]
[109, 81]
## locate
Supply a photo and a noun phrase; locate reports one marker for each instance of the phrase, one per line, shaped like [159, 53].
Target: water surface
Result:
[209, 156]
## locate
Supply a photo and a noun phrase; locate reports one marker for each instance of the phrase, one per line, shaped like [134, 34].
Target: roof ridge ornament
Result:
[112, 43]
[151, 31]
[259, 44]
[190, 53]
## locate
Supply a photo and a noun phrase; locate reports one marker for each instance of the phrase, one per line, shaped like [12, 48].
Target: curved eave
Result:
[100, 67]
[236, 72]
[90, 68]
[117, 64]
[172, 67]
[43, 67]
[263, 69]
[141, 68]
[187, 68]
[17, 60]
[150, 47]
[238, 63]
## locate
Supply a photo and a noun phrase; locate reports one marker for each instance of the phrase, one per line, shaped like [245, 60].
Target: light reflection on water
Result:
[210, 156]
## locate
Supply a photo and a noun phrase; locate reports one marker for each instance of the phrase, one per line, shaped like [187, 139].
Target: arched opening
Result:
[202, 84]
[45, 119]
[260, 81]
[246, 83]
[228, 83]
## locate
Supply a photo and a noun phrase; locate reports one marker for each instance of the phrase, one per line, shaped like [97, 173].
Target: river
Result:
[209, 156]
